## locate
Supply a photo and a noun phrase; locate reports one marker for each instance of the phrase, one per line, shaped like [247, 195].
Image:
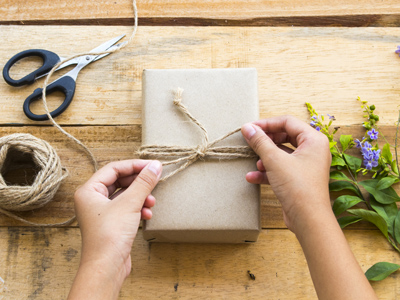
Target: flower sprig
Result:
[380, 200]
[317, 121]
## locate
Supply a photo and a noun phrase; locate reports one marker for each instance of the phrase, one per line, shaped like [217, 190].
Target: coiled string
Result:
[48, 179]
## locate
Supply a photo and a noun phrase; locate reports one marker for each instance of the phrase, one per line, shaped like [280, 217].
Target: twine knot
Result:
[189, 155]
[178, 97]
[201, 151]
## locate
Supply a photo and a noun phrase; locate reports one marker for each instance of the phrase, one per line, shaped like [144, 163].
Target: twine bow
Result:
[187, 154]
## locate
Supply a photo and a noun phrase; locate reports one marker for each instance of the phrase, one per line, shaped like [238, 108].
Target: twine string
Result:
[187, 155]
[49, 178]
[46, 82]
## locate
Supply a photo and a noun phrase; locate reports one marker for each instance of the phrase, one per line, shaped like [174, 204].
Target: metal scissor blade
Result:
[110, 49]
[66, 64]
[106, 45]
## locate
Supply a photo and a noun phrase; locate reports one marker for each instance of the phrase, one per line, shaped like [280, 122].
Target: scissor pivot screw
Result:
[87, 57]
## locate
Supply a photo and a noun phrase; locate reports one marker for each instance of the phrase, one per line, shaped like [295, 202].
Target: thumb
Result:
[143, 184]
[261, 143]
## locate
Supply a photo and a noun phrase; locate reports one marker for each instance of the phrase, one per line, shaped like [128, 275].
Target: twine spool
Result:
[48, 179]
[17, 151]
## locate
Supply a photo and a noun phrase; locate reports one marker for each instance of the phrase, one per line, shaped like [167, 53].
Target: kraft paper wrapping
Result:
[210, 201]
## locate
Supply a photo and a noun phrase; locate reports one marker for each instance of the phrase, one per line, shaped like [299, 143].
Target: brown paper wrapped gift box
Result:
[210, 201]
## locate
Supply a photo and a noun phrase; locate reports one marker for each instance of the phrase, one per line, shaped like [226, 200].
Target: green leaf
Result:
[344, 221]
[339, 176]
[397, 227]
[394, 167]
[371, 217]
[387, 211]
[332, 145]
[353, 162]
[381, 270]
[346, 141]
[344, 202]
[386, 182]
[338, 161]
[385, 196]
[343, 185]
[386, 153]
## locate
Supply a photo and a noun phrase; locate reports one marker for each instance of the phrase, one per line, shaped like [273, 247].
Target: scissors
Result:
[65, 84]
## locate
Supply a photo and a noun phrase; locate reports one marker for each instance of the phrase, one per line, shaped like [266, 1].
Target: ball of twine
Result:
[45, 183]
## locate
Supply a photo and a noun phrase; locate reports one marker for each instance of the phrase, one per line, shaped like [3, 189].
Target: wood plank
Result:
[370, 20]
[209, 12]
[41, 264]
[328, 67]
[118, 143]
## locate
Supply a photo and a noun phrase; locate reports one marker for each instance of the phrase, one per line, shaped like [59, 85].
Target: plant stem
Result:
[393, 244]
[395, 141]
[380, 132]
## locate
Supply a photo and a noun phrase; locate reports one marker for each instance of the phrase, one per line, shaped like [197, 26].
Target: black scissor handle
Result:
[49, 60]
[65, 85]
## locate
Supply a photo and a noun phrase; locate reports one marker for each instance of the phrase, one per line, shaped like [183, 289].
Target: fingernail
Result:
[155, 167]
[248, 131]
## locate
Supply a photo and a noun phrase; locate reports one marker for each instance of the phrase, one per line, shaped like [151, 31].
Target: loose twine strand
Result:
[189, 155]
[48, 179]
[46, 82]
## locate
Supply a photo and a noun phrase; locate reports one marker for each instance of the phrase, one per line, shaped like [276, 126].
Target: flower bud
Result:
[372, 107]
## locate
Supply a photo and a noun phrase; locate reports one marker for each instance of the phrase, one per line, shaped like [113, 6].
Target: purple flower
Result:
[398, 50]
[312, 123]
[331, 117]
[358, 143]
[370, 156]
[373, 134]
[318, 128]
[366, 153]
[376, 154]
[367, 145]
[314, 118]
[369, 164]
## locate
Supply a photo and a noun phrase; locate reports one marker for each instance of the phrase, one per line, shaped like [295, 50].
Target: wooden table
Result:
[323, 52]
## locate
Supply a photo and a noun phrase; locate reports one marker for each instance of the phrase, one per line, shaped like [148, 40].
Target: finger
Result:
[287, 124]
[146, 213]
[144, 183]
[286, 149]
[122, 182]
[116, 194]
[260, 166]
[279, 137]
[150, 201]
[111, 172]
[257, 177]
[269, 153]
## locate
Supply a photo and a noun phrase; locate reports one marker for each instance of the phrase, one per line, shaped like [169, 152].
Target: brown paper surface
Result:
[210, 201]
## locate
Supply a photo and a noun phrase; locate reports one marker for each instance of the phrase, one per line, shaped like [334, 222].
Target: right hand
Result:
[300, 177]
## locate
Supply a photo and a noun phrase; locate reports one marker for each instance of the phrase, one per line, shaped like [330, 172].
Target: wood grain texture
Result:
[203, 13]
[328, 67]
[369, 20]
[41, 264]
[110, 143]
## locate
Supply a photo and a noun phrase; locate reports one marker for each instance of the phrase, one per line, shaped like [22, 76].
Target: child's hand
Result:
[109, 226]
[299, 178]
